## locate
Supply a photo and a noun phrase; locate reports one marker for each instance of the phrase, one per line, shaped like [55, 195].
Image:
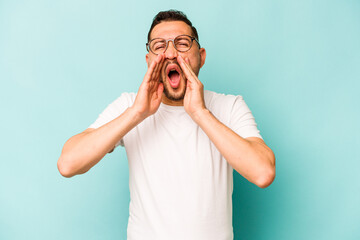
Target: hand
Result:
[194, 97]
[149, 96]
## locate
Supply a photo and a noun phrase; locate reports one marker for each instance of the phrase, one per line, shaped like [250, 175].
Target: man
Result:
[182, 142]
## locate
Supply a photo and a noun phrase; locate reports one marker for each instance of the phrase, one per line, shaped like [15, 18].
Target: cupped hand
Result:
[149, 96]
[194, 97]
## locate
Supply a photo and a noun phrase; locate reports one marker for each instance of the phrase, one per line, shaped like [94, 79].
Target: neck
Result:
[167, 101]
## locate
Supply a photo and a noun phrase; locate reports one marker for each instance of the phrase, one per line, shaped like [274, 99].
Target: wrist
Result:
[200, 115]
[136, 115]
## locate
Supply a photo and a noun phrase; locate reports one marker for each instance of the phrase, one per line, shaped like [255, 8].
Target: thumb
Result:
[188, 85]
[160, 90]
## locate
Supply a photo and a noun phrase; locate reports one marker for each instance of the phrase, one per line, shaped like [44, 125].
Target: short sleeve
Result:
[242, 121]
[112, 111]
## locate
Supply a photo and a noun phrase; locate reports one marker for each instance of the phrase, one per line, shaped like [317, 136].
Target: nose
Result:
[170, 51]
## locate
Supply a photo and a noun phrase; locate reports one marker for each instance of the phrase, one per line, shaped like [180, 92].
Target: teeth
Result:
[172, 71]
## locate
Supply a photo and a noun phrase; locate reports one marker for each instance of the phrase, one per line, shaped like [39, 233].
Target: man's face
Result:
[171, 74]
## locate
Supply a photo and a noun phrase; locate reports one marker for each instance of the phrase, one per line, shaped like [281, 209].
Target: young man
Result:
[182, 142]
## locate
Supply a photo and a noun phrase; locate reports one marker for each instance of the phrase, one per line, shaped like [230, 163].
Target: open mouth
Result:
[173, 75]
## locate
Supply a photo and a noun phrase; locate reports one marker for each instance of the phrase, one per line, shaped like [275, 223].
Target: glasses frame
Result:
[172, 40]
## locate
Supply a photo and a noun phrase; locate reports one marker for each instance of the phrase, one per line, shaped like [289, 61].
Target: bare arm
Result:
[249, 157]
[82, 151]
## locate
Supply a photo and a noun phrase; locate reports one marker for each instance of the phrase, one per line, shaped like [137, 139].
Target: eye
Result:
[156, 45]
[183, 42]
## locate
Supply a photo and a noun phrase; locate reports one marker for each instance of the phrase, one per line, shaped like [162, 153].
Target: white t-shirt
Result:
[180, 185]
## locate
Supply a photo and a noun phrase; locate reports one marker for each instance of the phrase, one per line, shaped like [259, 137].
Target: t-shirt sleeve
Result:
[242, 121]
[112, 111]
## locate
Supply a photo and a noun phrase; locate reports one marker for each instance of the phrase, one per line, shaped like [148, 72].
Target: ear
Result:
[147, 59]
[202, 56]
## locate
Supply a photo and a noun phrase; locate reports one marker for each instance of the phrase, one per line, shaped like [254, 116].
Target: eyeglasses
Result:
[182, 43]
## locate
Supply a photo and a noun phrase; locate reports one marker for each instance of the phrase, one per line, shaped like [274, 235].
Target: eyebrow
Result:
[171, 38]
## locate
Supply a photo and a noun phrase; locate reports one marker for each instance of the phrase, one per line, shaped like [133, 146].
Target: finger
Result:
[149, 74]
[189, 66]
[157, 68]
[156, 61]
[160, 66]
[157, 96]
[152, 68]
[192, 72]
[186, 69]
[160, 90]
[150, 71]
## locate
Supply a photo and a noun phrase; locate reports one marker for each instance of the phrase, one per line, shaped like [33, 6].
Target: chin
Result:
[175, 94]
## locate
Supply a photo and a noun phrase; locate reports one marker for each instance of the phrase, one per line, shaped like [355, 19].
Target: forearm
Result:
[252, 159]
[82, 151]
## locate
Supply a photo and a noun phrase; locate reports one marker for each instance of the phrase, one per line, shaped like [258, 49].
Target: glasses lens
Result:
[183, 43]
[157, 46]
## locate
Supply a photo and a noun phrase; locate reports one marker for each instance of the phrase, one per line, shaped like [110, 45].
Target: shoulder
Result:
[122, 102]
[129, 96]
[126, 98]
[215, 100]
[222, 105]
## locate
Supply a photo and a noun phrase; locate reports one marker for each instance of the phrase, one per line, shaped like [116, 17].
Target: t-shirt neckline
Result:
[171, 108]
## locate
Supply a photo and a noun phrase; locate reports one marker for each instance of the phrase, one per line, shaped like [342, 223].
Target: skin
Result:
[250, 157]
[195, 56]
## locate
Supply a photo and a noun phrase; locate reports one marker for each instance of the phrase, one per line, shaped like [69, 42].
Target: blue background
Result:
[295, 62]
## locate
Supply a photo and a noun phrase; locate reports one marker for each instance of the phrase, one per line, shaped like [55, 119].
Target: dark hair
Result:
[172, 15]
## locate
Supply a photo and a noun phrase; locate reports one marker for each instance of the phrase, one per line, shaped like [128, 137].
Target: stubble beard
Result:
[168, 91]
